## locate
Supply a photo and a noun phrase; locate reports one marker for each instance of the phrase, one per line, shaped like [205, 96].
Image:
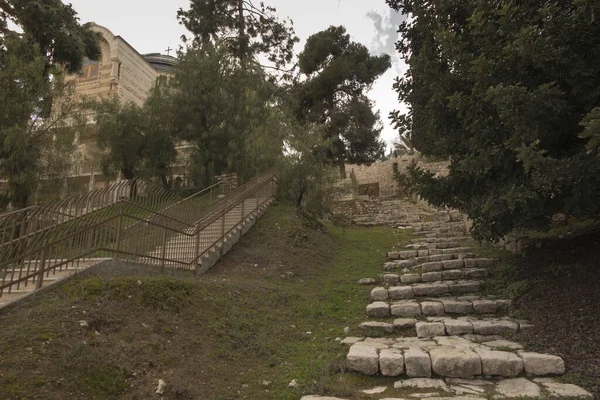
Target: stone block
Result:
[431, 267]
[407, 254]
[431, 277]
[404, 323]
[379, 294]
[563, 390]
[435, 252]
[417, 363]
[430, 289]
[400, 293]
[391, 279]
[500, 363]
[363, 359]
[422, 253]
[455, 362]
[378, 309]
[453, 264]
[430, 329]
[410, 278]
[542, 364]
[505, 344]
[432, 308]
[406, 309]
[391, 362]
[421, 383]
[454, 274]
[470, 263]
[456, 327]
[518, 387]
[485, 262]
[494, 327]
[374, 326]
[457, 307]
[485, 306]
[476, 273]
[392, 255]
[461, 287]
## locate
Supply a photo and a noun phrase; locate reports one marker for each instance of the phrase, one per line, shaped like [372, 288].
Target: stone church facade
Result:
[124, 72]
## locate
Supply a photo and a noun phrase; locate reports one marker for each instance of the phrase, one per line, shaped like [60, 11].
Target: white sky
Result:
[151, 26]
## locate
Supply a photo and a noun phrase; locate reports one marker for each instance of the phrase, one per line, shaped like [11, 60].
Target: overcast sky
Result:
[151, 26]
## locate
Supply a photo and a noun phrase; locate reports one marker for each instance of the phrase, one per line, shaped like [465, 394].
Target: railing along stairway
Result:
[133, 221]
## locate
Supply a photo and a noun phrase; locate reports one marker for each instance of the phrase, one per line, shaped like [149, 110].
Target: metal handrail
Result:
[179, 235]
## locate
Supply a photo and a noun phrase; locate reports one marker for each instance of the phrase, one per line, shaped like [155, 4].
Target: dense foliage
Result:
[510, 91]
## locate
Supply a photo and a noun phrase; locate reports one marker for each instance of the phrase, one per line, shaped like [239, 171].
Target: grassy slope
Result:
[223, 335]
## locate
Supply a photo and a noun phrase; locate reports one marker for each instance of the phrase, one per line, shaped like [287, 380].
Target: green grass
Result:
[217, 336]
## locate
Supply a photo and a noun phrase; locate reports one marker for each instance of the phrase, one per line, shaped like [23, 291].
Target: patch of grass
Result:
[505, 281]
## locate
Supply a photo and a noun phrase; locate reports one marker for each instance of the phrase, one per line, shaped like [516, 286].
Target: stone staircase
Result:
[432, 328]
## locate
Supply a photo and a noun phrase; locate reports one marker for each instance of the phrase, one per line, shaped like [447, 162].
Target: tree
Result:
[337, 75]
[248, 31]
[509, 92]
[51, 39]
[120, 132]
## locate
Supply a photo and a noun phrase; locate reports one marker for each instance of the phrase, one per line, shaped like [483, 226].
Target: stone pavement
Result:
[430, 326]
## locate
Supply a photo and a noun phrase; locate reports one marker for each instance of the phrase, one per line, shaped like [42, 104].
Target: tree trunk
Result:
[300, 197]
[342, 168]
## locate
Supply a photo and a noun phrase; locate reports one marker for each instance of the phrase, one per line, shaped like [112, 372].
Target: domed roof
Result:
[161, 62]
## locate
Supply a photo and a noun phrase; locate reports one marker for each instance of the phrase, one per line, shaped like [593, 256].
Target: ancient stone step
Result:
[446, 356]
[475, 329]
[439, 240]
[473, 389]
[437, 288]
[411, 254]
[433, 276]
[410, 308]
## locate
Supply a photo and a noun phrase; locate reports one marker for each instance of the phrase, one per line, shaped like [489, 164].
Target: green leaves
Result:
[509, 92]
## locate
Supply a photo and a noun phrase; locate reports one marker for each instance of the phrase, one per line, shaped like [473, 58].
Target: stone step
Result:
[432, 289]
[440, 240]
[473, 389]
[414, 263]
[433, 246]
[429, 307]
[449, 274]
[469, 327]
[411, 254]
[446, 356]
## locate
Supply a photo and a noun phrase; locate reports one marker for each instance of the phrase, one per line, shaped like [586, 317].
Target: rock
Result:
[470, 263]
[461, 287]
[377, 326]
[542, 364]
[494, 327]
[293, 383]
[393, 255]
[431, 276]
[430, 289]
[417, 363]
[431, 267]
[453, 264]
[407, 254]
[367, 281]
[375, 390]
[455, 362]
[457, 307]
[432, 308]
[457, 327]
[500, 363]
[476, 273]
[378, 309]
[400, 293]
[421, 383]
[363, 359]
[410, 278]
[406, 309]
[160, 388]
[83, 323]
[379, 294]
[518, 387]
[404, 323]
[311, 397]
[391, 279]
[349, 341]
[430, 329]
[563, 390]
[485, 306]
[454, 274]
[559, 220]
[391, 362]
[266, 383]
[503, 344]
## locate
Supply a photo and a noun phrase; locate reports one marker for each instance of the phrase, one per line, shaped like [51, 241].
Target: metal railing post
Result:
[197, 250]
[119, 230]
[40, 280]
[222, 235]
[257, 194]
[164, 249]
[242, 217]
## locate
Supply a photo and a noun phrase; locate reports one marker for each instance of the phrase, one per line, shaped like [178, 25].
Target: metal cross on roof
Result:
[168, 50]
